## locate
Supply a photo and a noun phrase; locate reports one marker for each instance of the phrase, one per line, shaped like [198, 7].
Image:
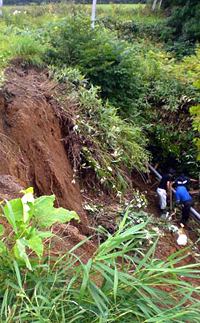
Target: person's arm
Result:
[193, 180]
[168, 186]
[187, 179]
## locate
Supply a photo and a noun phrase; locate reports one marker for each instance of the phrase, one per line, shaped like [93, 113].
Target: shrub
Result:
[106, 61]
[171, 134]
[103, 141]
[196, 122]
[141, 83]
[165, 105]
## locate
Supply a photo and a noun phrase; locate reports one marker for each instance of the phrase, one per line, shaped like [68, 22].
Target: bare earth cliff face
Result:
[32, 153]
[31, 147]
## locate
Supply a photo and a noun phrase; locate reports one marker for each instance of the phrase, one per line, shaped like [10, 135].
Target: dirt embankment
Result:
[32, 153]
[31, 147]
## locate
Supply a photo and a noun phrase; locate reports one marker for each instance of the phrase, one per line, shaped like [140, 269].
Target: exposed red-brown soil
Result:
[33, 154]
[32, 150]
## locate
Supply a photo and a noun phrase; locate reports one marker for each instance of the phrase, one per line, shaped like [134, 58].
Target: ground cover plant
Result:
[120, 283]
[23, 214]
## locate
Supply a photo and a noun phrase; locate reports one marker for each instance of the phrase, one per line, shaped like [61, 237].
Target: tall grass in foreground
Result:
[119, 284]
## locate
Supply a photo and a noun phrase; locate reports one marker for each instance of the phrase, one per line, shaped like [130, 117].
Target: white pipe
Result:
[94, 3]
[154, 4]
[1, 5]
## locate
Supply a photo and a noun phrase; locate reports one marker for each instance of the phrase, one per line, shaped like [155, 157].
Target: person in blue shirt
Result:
[182, 196]
[187, 180]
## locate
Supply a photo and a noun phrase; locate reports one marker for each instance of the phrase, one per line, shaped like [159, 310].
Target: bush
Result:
[106, 61]
[103, 142]
[142, 83]
[133, 31]
[182, 26]
[171, 134]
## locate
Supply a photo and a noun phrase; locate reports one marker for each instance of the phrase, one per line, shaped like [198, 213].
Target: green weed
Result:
[24, 215]
[120, 283]
[29, 50]
[104, 142]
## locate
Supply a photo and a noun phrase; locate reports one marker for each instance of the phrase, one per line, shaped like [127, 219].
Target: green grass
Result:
[32, 17]
[136, 12]
[121, 283]
[38, 15]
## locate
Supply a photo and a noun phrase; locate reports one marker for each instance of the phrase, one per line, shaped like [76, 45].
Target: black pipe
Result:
[195, 214]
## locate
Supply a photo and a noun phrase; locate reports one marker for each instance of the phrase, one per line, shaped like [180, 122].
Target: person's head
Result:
[171, 172]
[178, 182]
[185, 179]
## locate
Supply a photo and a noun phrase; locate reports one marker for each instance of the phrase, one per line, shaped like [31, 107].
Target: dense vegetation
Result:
[146, 85]
[22, 2]
[182, 27]
[120, 283]
[130, 95]
[136, 79]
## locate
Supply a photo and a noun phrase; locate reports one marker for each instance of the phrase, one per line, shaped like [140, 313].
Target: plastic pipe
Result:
[94, 4]
[1, 5]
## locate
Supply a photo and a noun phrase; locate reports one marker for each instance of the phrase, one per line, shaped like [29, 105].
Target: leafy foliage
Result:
[196, 122]
[104, 142]
[23, 215]
[143, 83]
[181, 29]
[106, 61]
[22, 46]
[177, 26]
[120, 283]
[135, 29]
[171, 129]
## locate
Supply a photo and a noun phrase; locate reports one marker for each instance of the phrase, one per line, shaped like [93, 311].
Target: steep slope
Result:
[32, 150]
[32, 153]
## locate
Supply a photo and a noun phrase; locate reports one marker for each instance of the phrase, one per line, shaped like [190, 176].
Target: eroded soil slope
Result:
[32, 151]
